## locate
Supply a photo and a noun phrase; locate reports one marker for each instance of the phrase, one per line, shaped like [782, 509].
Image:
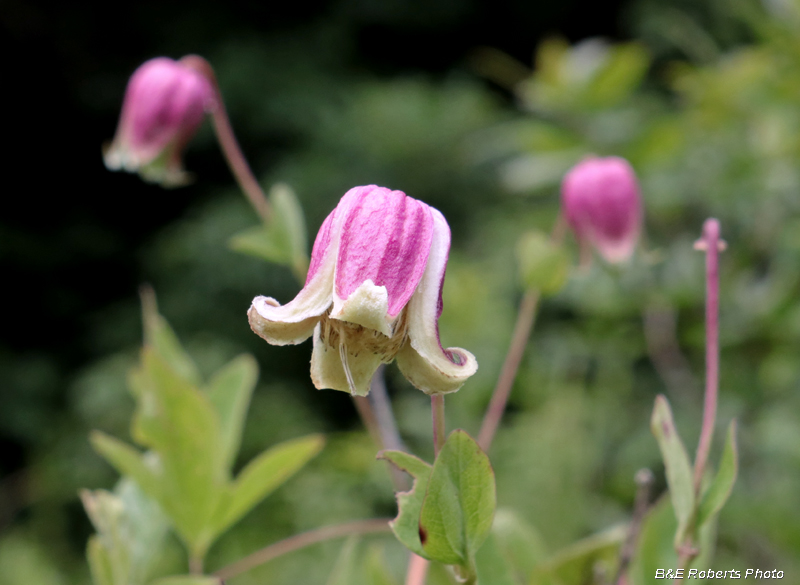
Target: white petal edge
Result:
[422, 360]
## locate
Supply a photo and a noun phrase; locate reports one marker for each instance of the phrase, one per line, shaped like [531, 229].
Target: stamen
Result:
[346, 367]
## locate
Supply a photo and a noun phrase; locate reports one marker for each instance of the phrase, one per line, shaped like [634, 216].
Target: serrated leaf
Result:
[576, 562]
[187, 580]
[178, 422]
[229, 391]
[409, 504]
[543, 265]
[492, 566]
[676, 463]
[262, 475]
[720, 489]
[159, 335]
[459, 504]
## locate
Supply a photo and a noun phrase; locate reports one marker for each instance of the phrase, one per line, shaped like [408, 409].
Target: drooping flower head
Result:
[601, 201]
[165, 103]
[373, 293]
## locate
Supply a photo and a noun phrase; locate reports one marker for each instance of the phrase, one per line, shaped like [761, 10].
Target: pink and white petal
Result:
[422, 360]
[328, 372]
[384, 238]
[294, 322]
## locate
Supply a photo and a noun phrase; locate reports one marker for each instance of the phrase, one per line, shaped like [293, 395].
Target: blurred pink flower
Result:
[373, 293]
[601, 201]
[165, 103]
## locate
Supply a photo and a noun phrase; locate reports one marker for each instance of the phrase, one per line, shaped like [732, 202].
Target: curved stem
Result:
[711, 244]
[302, 540]
[497, 405]
[227, 141]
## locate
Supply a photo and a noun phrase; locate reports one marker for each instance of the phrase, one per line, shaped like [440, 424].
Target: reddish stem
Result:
[711, 244]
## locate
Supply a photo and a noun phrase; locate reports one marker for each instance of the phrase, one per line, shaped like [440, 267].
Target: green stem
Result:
[439, 428]
[302, 540]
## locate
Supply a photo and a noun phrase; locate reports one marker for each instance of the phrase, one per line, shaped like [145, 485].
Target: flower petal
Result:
[385, 238]
[367, 306]
[328, 371]
[422, 360]
[294, 322]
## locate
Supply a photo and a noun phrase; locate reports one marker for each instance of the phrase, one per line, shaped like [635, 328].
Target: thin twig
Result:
[227, 141]
[387, 426]
[417, 570]
[519, 339]
[302, 540]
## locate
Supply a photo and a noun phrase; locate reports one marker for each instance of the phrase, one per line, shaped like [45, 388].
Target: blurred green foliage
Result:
[705, 107]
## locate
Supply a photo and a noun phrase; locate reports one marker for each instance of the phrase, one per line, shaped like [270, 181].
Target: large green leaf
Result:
[459, 505]
[262, 475]
[409, 504]
[177, 421]
[229, 392]
[678, 467]
[720, 489]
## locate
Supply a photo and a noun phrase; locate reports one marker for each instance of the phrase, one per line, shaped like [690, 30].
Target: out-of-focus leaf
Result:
[620, 76]
[492, 566]
[187, 580]
[577, 562]
[26, 562]
[676, 462]
[519, 542]
[100, 564]
[229, 392]
[458, 508]
[406, 526]
[283, 240]
[262, 475]
[720, 489]
[542, 264]
[162, 339]
[375, 569]
[177, 421]
[127, 461]
[345, 569]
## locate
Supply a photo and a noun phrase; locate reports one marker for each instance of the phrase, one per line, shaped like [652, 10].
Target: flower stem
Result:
[711, 244]
[227, 141]
[302, 540]
[497, 405]
[439, 428]
[417, 570]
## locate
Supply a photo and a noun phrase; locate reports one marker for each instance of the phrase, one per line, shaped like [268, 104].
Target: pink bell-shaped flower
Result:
[601, 201]
[165, 103]
[373, 293]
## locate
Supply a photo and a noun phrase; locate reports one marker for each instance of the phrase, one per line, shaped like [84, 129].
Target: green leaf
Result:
[520, 543]
[459, 505]
[100, 564]
[283, 240]
[620, 75]
[576, 563]
[542, 264]
[492, 565]
[375, 570]
[187, 580]
[262, 475]
[178, 422]
[229, 392]
[127, 461]
[345, 568]
[406, 526]
[162, 339]
[720, 489]
[676, 462]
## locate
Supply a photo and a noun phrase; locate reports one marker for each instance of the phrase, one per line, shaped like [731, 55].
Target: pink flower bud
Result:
[373, 293]
[600, 199]
[165, 103]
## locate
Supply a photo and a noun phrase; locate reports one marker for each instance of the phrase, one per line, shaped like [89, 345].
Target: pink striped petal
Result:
[423, 361]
